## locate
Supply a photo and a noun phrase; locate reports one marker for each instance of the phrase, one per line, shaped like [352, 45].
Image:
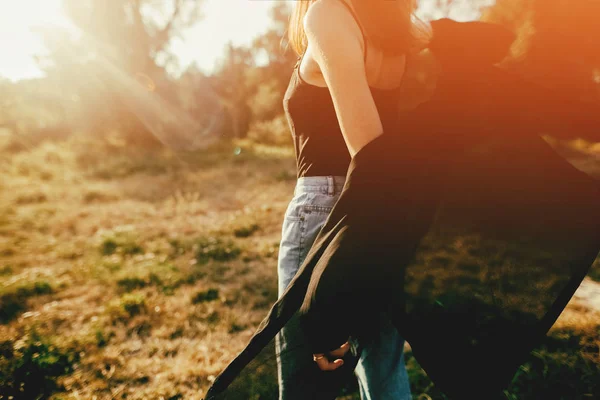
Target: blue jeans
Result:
[380, 371]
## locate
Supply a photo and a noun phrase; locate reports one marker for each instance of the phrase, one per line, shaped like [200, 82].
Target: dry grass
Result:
[140, 276]
[112, 249]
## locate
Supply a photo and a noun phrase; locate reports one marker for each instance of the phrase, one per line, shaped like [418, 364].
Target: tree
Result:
[230, 83]
[133, 34]
[115, 63]
[271, 79]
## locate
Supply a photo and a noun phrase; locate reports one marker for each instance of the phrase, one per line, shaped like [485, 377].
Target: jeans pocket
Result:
[293, 211]
[291, 245]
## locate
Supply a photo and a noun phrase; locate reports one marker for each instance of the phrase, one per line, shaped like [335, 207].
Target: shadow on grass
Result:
[565, 366]
[14, 301]
[31, 371]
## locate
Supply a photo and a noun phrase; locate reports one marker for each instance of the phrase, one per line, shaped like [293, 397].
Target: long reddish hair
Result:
[391, 26]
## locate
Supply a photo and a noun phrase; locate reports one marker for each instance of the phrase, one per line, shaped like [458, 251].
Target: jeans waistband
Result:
[320, 184]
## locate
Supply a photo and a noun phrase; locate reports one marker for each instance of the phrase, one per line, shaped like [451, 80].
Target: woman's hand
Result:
[323, 360]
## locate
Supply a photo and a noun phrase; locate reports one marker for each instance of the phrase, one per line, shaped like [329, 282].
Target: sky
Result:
[17, 43]
[238, 21]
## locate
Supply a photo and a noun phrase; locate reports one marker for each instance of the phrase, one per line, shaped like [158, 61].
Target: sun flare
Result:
[18, 39]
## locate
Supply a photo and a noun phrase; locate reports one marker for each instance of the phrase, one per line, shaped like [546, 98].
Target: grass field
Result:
[132, 275]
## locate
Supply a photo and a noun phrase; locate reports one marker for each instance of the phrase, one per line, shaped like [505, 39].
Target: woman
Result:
[345, 88]
[460, 222]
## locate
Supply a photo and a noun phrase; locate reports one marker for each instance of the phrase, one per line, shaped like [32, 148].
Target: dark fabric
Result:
[318, 141]
[463, 224]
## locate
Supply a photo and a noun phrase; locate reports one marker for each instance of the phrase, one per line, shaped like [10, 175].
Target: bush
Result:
[275, 132]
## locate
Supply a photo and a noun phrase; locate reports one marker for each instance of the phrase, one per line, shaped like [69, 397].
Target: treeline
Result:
[109, 77]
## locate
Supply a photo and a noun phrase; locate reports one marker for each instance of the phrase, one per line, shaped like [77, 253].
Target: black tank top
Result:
[318, 141]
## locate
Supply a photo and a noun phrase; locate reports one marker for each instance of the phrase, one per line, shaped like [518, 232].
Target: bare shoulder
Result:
[330, 24]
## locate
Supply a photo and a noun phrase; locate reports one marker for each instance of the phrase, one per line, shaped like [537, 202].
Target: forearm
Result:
[376, 224]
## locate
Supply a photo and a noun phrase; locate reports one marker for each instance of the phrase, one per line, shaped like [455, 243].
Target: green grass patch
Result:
[595, 271]
[560, 368]
[213, 318]
[6, 270]
[234, 327]
[246, 230]
[29, 369]
[108, 247]
[179, 247]
[102, 338]
[262, 383]
[216, 249]
[121, 243]
[163, 276]
[127, 306]
[285, 175]
[131, 283]
[14, 300]
[420, 385]
[205, 295]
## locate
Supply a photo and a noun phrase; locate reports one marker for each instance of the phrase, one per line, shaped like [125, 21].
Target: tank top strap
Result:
[362, 31]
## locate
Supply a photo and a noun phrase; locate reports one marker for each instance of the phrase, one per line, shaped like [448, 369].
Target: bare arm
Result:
[337, 46]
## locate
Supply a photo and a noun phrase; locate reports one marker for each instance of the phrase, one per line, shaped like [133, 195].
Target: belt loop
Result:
[330, 186]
